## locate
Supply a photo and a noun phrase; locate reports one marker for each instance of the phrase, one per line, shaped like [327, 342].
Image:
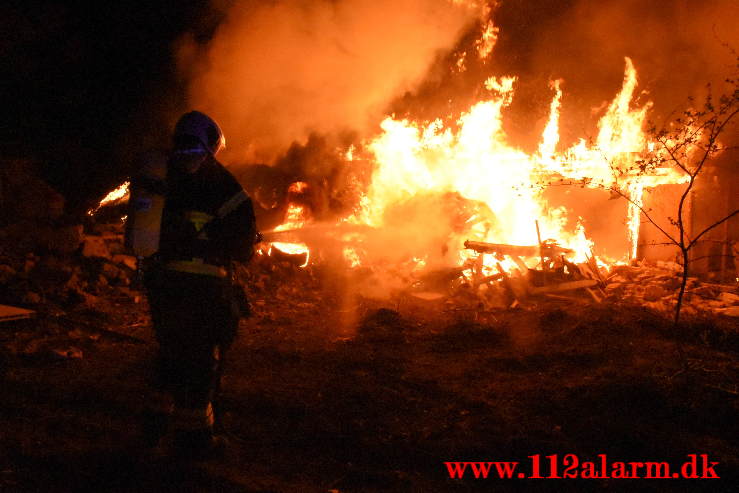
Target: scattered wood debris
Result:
[556, 275]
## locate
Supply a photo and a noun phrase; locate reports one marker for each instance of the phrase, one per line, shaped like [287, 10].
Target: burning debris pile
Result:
[556, 275]
[654, 286]
[472, 287]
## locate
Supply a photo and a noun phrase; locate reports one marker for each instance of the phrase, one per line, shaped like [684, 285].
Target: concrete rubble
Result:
[656, 286]
[61, 287]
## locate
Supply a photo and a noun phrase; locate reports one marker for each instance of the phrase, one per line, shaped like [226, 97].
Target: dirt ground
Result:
[327, 391]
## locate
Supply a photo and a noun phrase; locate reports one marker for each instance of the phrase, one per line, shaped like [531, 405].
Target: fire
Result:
[485, 44]
[351, 255]
[115, 196]
[498, 188]
[487, 40]
[475, 160]
[550, 136]
[295, 218]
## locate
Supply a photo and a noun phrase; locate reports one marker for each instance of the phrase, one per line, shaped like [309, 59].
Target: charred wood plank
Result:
[487, 279]
[569, 299]
[595, 296]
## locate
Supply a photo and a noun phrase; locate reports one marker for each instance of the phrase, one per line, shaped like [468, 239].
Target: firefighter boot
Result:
[193, 437]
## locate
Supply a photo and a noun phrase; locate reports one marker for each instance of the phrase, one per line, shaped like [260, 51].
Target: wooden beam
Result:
[521, 250]
[595, 297]
[563, 286]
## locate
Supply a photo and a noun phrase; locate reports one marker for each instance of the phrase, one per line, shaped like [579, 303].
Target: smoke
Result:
[677, 46]
[276, 71]
[333, 186]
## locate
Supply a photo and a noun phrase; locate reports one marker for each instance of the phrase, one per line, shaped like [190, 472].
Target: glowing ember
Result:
[293, 249]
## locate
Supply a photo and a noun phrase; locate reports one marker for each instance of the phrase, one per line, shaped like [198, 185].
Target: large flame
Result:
[475, 159]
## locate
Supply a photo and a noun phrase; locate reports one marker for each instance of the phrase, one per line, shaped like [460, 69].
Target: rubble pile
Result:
[476, 286]
[652, 285]
[49, 260]
[62, 280]
[656, 286]
[79, 288]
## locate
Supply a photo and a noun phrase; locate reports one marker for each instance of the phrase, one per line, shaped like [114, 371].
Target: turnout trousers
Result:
[195, 319]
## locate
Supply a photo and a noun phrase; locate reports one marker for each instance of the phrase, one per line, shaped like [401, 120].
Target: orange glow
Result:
[351, 256]
[475, 159]
[294, 219]
[487, 40]
[115, 196]
[297, 187]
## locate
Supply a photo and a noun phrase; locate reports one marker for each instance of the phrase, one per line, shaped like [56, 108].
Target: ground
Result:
[326, 390]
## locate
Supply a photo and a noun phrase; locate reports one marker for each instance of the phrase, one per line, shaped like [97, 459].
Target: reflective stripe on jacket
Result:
[208, 220]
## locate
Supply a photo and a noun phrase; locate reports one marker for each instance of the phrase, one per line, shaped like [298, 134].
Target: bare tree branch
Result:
[674, 158]
[709, 228]
[727, 120]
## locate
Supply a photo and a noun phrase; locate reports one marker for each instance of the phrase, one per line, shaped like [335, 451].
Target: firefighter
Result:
[207, 222]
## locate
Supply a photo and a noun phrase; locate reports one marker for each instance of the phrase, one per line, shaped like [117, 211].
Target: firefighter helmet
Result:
[195, 128]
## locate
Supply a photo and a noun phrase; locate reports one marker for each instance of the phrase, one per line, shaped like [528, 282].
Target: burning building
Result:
[412, 193]
[475, 217]
[435, 174]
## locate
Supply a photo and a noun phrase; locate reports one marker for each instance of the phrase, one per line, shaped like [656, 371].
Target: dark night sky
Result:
[79, 76]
